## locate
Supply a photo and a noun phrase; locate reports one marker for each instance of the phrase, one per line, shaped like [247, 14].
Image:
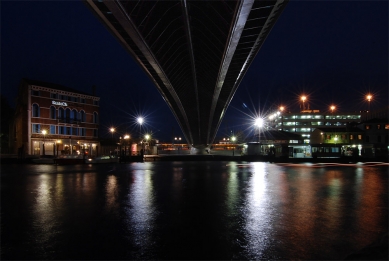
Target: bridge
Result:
[195, 52]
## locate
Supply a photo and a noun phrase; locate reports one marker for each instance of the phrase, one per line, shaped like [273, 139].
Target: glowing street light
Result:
[112, 130]
[140, 122]
[259, 122]
[282, 108]
[368, 98]
[332, 108]
[44, 132]
[303, 98]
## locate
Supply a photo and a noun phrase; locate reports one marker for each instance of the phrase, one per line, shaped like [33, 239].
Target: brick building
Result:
[51, 119]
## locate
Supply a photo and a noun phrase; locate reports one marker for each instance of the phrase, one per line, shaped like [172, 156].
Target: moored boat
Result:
[102, 159]
[69, 160]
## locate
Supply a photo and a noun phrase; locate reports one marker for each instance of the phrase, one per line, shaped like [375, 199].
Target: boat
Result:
[44, 160]
[69, 160]
[102, 159]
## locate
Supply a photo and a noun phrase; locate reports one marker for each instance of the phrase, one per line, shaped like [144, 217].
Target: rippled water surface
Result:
[191, 210]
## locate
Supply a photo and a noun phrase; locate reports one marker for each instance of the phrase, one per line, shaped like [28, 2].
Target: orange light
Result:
[369, 97]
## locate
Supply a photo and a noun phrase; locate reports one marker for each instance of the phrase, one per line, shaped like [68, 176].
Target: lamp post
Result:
[303, 98]
[368, 98]
[147, 137]
[259, 124]
[140, 122]
[57, 145]
[112, 130]
[233, 139]
[126, 138]
[44, 138]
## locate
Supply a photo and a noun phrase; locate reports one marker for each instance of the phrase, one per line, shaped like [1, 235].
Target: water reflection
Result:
[112, 194]
[142, 212]
[257, 212]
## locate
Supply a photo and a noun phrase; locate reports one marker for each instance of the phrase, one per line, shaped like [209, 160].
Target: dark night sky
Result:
[333, 51]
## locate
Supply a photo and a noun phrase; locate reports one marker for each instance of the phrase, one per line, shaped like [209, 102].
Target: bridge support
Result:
[200, 150]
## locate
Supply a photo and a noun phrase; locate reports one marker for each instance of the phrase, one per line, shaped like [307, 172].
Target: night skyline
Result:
[334, 52]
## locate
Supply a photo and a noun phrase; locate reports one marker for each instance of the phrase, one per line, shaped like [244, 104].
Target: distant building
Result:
[278, 144]
[51, 119]
[337, 142]
[306, 121]
[376, 139]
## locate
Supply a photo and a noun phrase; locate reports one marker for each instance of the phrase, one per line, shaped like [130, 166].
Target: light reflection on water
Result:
[186, 210]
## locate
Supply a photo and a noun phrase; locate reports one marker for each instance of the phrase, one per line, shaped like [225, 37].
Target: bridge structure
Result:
[195, 52]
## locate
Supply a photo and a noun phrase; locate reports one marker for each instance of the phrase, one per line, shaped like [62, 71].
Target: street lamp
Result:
[57, 145]
[233, 139]
[140, 122]
[332, 109]
[126, 138]
[112, 130]
[303, 98]
[368, 98]
[259, 124]
[44, 138]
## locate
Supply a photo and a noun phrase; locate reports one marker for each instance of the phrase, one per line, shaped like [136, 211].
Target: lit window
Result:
[359, 136]
[367, 127]
[378, 126]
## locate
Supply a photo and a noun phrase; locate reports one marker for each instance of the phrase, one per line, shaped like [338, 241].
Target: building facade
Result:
[306, 121]
[51, 119]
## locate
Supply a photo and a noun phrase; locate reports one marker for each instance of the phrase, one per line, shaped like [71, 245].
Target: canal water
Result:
[191, 210]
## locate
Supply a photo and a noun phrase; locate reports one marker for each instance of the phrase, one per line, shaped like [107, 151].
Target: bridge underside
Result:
[195, 52]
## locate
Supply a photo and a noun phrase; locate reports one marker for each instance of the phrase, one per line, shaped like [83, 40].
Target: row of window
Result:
[63, 130]
[344, 136]
[66, 115]
[344, 117]
[379, 127]
[313, 123]
[65, 97]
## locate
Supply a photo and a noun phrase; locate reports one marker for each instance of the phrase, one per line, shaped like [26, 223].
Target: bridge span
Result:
[195, 52]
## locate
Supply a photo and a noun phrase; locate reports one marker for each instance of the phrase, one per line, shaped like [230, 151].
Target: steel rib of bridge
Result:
[195, 52]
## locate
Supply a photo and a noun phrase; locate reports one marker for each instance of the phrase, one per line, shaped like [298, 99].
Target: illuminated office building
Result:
[306, 121]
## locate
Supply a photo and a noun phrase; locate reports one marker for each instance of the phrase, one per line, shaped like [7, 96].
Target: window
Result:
[53, 95]
[82, 131]
[67, 114]
[82, 116]
[36, 110]
[52, 129]
[359, 136]
[378, 126]
[96, 102]
[82, 100]
[52, 112]
[75, 131]
[69, 131]
[36, 128]
[35, 93]
[367, 127]
[61, 113]
[95, 117]
[94, 132]
[351, 136]
[72, 115]
[61, 130]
